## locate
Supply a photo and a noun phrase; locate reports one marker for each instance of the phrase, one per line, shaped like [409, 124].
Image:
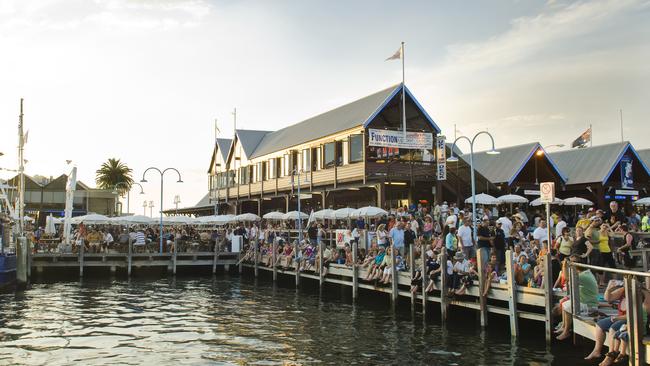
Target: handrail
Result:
[611, 270]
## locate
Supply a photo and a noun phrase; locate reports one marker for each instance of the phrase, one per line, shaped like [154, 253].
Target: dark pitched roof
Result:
[644, 155]
[249, 140]
[593, 164]
[224, 146]
[504, 167]
[355, 114]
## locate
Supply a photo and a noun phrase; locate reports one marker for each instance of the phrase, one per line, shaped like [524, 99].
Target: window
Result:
[286, 165]
[294, 161]
[244, 175]
[263, 174]
[273, 169]
[382, 153]
[339, 153]
[356, 148]
[306, 160]
[329, 155]
[254, 173]
[316, 159]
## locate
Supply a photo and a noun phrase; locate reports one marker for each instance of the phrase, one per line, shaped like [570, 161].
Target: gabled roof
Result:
[248, 139]
[355, 114]
[505, 167]
[593, 164]
[224, 147]
[644, 155]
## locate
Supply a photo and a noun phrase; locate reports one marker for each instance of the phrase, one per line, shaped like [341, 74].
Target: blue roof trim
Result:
[628, 147]
[555, 167]
[391, 96]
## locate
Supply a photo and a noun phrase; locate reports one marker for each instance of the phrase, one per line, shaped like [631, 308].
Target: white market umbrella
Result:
[484, 199]
[344, 213]
[643, 202]
[512, 198]
[577, 201]
[275, 215]
[133, 220]
[538, 202]
[91, 219]
[326, 214]
[247, 217]
[294, 215]
[216, 219]
[49, 225]
[370, 212]
[180, 220]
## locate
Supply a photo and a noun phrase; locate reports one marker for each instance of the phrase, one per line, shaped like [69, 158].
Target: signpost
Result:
[441, 159]
[547, 195]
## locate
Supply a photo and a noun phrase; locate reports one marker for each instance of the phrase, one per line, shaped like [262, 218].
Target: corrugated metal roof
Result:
[644, 155]
[339, 119]
[224, 147]
[504, 167]
[250, 140]
[203, 202]
[591, 164]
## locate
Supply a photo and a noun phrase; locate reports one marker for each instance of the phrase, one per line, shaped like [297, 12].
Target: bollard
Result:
[512, 295]
[355, 271]
[481, 285]
[21, 261]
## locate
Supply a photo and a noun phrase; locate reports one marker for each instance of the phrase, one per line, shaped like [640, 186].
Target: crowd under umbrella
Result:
[642, 202]
[538, 202]
[483, 199]
[247, 217]
[326, 214]
[274, 215]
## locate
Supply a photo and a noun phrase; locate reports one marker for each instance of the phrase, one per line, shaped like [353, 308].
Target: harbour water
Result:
[230, 320]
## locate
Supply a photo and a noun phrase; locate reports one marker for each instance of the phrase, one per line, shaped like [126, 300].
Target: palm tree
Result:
[113, 172]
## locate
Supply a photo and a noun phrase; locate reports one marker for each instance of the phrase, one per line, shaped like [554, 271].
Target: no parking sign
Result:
[547, 192]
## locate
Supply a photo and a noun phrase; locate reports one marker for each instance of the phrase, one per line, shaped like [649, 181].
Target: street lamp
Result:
[298, 172]
[177, 200]
[162, 180]
[144, 208]
[452, 158]
[150, 208]
[128, 193]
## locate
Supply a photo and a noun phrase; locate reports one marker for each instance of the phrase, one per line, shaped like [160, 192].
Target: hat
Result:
[459, 256]
[430, 253]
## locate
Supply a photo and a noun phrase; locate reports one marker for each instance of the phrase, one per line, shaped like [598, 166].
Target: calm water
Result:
[225, 320]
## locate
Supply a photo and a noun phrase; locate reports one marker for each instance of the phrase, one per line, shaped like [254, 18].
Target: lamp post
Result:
[177, 200]
[452, 158]
[150, 208]
[144, 208]
[298, 172]
[128, 193]
[162, 181]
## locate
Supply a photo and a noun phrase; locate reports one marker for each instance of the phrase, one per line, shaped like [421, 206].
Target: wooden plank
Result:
[512, 295]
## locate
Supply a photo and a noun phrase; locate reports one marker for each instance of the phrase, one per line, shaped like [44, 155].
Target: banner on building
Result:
[627, 175]
[413, 140]
[441, 159]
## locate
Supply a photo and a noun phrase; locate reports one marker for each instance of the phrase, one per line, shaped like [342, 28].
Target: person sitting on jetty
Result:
[588, 288]
[369, 258]
[614, 294]
[375, 270]
[468, 279]
[434, 269]
[386, 267]
[460, 269]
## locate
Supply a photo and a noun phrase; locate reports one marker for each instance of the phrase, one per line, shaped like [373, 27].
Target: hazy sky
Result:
[143, 80]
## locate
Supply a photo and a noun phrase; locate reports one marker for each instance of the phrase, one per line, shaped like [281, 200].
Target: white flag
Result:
[396, 56]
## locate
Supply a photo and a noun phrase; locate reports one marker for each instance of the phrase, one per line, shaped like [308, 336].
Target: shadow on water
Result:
[226, 319]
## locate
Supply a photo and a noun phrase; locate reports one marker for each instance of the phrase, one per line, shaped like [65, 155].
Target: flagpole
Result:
[621, 116]
[403, 94]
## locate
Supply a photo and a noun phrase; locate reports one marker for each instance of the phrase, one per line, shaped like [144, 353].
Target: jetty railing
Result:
[634, 283]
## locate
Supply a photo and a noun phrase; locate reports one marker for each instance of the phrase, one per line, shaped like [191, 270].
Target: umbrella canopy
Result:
[275, 215]
[577, 201]
[180, 220]
[49, 225]
[247, 217]
[135, 219]
[294, 215]
[91, 219]
[370, 211]
[484, 199]
[538, 202]
[512, 198]
[344, 213]
[326, 214]
[643, 202]
[218, 219]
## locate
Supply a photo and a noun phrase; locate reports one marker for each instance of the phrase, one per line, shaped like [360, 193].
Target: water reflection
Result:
[223, 320]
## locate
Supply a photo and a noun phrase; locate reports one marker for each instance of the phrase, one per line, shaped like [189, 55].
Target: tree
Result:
[113, 172]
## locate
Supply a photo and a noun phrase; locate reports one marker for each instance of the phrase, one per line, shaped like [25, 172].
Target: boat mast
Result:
[21, 172]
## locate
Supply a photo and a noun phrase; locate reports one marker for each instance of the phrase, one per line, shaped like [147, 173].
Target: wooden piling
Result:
[548, 297]
[296, 260]
[274, 255]
[239, 257]
[81, 257]
[443, 286]
[425, 279]
[174, 259]
[321, 278]
[636, 332]
[412, 272]
[256, 254]
[130, 258]
[394, 295]
[512, 294]
[481, 284]
[215, 258]
[29, 258]
[355, 270]
[21, 261]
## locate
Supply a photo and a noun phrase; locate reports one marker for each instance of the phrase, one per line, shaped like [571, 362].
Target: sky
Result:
[144, 81]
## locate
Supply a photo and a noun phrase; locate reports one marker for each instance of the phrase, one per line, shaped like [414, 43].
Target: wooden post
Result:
[296, 259]
[21, 261]
[636, 332]
[255, 249]
[412, 272]
[574, 286]
[274, 254]
[394, 295]
[355, 270]
[512, 294]
[425, 279]
[481, 285]
[644, 260]
[548, 297]
[630, 295]
[321, 278]
[239, 257]
[29, 258]
[81, 258]
[129, 258]
[216, 255]
[443, 286]
[174, 257]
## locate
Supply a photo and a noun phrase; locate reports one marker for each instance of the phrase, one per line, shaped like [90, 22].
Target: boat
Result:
[8, 258]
